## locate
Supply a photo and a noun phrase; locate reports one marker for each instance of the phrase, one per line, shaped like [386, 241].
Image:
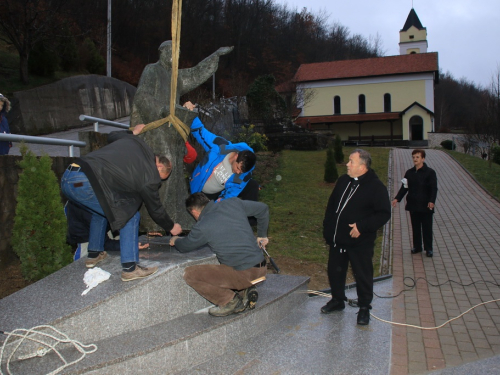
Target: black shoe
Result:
[416, 251]
[429, 253]
[364, 316]
[332, 306]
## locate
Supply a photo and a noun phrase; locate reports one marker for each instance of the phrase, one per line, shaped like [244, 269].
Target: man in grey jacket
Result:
[224, 227]
[112, 183]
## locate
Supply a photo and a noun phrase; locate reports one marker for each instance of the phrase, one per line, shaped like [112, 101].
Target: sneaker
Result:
[139, 273]
[364, 316]
[250, 297]
[92, 262]
[332, 306]
[233, 307]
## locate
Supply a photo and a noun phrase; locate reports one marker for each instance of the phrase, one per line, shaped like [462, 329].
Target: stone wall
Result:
[435, 140]
[56, 107]
[9, 177]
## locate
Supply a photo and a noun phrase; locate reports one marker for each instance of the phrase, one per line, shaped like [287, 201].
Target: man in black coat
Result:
[112, 183]
[358, 206]
[420, 182]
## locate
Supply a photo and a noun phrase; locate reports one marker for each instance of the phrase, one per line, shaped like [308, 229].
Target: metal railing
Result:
[98, 121]
[43, 141]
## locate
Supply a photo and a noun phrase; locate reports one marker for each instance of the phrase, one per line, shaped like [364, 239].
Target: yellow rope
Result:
[182, 128]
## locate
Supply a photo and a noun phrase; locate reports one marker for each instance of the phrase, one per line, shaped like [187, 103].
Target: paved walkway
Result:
[466, 264]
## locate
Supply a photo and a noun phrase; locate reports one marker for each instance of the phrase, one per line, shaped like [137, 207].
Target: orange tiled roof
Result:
[376, 66]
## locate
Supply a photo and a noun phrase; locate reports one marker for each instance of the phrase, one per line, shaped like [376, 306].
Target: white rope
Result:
[328, 295]
[31, 335]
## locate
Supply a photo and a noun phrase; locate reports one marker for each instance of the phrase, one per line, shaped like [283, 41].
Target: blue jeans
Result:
[84, 195]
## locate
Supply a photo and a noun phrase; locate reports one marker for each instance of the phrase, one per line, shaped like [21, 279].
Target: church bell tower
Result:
[413, 36]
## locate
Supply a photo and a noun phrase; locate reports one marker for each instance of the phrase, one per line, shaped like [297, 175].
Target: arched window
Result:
[336, 105]
[361, 104]
[387, 102]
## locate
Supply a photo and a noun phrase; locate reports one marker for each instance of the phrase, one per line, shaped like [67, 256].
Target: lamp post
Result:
[108, 54]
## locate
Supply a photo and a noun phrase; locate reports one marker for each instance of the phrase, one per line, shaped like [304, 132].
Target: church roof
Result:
[412, 20]
[372, 67]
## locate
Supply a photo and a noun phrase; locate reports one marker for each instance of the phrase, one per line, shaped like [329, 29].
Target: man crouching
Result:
[224, 227]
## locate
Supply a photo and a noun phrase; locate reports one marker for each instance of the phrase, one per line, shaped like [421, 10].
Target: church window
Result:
[387, 102]
[361, 104]
[336, 105]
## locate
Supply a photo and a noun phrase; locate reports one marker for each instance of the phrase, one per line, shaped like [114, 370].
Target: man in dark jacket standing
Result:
[358, 207]
[112, 183]
[420, 183]
[224, 227]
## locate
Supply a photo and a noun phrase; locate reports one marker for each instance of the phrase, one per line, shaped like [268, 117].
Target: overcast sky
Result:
[465, 33]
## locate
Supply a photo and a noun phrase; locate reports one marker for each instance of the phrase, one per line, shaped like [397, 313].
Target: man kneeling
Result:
[224, 227]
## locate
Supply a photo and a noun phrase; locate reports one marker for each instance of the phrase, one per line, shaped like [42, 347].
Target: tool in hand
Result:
[273, 263]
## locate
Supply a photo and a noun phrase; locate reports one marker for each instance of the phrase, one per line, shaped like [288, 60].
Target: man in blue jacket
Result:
[226, 169]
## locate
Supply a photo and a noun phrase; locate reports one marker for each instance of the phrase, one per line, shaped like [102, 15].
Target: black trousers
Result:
[362, 266]
[421, 224]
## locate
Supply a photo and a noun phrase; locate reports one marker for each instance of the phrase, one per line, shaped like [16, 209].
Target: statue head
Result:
[165, 50]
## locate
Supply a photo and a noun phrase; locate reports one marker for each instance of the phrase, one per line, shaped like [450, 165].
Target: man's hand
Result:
[173, 239]
[430, 205]
[176, 229]
[138, 129]
[224, 50]
[143, 246]
[394, 203]
[189, 106]
[262, 242]
[354, 231]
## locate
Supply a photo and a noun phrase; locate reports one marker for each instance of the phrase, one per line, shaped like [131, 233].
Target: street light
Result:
[108, 54]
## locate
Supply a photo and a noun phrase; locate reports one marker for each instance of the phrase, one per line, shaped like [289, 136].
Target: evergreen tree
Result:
[331, 173]
[39, 234]
[339, 153]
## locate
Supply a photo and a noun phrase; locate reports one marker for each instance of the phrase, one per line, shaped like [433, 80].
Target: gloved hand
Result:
[191, 154]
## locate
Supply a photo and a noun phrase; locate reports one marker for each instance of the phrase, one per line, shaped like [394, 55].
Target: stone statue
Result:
[151, 103]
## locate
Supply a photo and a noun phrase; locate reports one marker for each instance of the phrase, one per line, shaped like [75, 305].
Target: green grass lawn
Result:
[485, 173]
[297, 197]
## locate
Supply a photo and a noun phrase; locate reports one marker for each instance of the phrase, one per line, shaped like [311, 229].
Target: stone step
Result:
[183, 341]
[112, 307]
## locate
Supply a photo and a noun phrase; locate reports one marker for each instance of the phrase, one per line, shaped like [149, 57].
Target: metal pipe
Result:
[103, 121]
[40, 140]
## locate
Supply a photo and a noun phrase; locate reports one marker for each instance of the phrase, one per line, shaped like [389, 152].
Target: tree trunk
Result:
[23, 68]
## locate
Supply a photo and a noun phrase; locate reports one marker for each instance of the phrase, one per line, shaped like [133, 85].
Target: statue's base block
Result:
[151, 326]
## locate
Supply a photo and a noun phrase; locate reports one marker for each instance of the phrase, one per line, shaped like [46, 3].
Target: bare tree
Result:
[27, 22]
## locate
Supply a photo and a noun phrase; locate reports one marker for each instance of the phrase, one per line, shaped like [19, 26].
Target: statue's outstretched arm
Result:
[193, 77]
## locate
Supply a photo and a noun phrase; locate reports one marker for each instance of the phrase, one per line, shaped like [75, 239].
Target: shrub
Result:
[39, 234]
[331, 173]
[448, 145]
[339, 153]
[257, 141]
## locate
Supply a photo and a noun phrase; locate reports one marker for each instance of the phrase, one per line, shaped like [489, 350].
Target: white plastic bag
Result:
[94, 277]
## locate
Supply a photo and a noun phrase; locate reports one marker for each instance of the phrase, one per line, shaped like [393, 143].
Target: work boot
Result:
[332, 306]
[140, 272]
[233, 307]
[250, 297]
[92, 262]
[364, 316]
